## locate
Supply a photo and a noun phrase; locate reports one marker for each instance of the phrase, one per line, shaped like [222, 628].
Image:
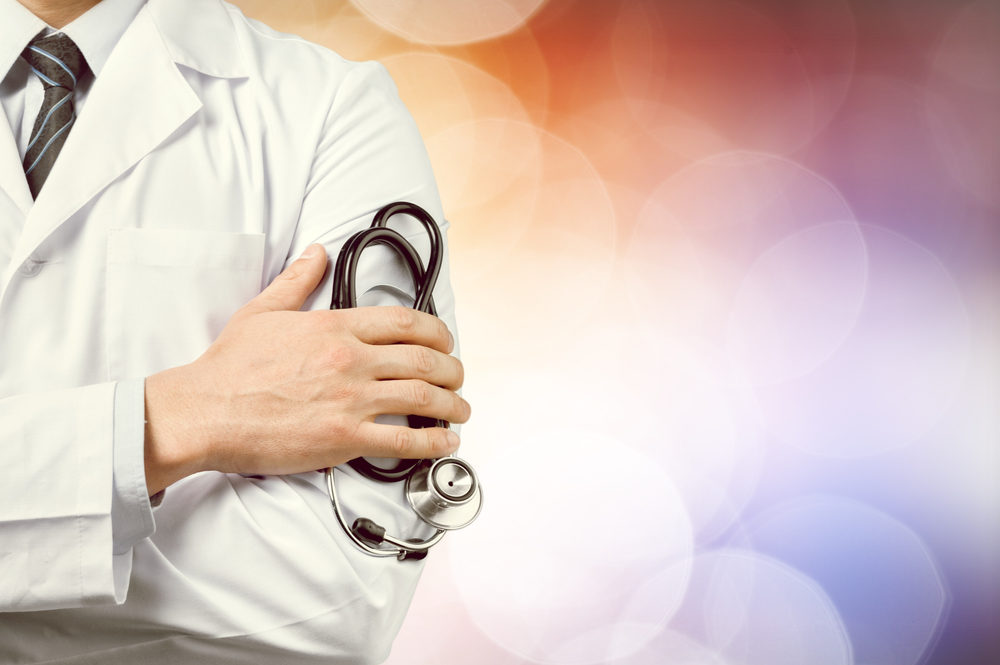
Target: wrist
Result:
[176, 441]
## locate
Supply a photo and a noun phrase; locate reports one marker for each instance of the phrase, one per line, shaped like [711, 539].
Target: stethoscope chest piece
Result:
[445, 492]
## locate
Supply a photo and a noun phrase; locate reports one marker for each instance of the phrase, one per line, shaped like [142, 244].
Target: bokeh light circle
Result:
[798, 303]
[490, 175]
[879, 148]
[755, 610]
[442, 91]
[437, 633]
[670, 647]
[533, 232]
[699, 424]
[561, 505]
[897, 372]
[963, 100]
[607, 131]
[705, 226]
[449, 21]
[764, 75]
[876, 570]
[673, 402]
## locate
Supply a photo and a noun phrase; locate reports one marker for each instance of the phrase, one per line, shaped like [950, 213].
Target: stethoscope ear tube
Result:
[444, 493]
[368, 535]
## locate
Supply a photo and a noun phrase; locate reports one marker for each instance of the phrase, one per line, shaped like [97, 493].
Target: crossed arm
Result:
[283, 391]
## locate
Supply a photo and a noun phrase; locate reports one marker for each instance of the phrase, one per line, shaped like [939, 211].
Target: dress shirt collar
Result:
[98, 30]
[17, 27]
[95, 32]
[197, 33]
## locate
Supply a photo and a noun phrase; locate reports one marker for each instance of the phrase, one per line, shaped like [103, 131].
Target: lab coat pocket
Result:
[171, 291]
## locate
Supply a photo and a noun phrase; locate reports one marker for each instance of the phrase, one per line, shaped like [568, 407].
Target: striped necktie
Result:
[58, 63]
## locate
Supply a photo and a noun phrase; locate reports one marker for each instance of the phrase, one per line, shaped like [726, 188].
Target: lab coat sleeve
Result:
[56, 453]
[371, 155]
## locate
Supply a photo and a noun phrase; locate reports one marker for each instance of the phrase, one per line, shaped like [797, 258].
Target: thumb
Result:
[290, 289]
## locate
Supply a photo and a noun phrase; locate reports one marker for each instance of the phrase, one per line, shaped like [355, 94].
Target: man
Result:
[162, 161]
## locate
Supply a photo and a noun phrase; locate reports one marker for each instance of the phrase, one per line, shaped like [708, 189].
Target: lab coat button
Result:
[30, 267]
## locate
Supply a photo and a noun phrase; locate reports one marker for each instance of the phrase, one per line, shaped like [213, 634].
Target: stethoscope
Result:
[444, 493]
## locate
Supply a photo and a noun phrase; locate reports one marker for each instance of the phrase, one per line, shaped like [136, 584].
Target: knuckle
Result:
[423, 360]
[403, 318]
[343, 358]
[340, 427]
[345, 395]
[402, 441]
[438, 441]
[421, 394]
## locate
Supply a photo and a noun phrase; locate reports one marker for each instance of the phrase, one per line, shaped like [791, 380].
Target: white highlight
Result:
[583, 524]
[449, 21]
[898, 371]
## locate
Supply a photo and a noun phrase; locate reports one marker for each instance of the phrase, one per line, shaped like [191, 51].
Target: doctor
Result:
[173, 177]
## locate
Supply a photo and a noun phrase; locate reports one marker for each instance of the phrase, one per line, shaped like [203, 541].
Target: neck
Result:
[58, 13]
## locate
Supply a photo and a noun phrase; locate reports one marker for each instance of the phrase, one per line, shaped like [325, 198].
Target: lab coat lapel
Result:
[138, 101]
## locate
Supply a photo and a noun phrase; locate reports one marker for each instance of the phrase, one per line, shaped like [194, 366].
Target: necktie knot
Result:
[56, 60]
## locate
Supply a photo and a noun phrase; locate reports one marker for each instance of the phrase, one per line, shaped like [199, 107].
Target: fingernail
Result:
[453, 441]
[451, 342]
[311, 251]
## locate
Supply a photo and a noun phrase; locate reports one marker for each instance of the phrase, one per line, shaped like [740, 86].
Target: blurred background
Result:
[727, 276]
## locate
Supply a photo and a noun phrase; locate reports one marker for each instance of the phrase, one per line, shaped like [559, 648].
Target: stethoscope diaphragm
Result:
[445, 493]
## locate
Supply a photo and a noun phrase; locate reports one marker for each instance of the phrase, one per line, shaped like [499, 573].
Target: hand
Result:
[282, 391]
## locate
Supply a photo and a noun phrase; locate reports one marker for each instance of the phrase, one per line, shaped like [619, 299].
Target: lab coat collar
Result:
[96, 33]
[197, 33]
[200, 34]
[140, 99]
[17, 27]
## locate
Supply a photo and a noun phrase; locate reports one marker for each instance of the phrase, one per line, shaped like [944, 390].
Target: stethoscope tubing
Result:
[401, 549]
[365, 534]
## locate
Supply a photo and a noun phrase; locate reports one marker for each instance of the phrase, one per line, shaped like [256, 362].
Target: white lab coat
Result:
[210, 153]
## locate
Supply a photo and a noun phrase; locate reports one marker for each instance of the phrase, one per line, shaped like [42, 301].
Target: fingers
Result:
[394, 441]
[290, 289]
[392, 325]
[418, 398]
[409, 361]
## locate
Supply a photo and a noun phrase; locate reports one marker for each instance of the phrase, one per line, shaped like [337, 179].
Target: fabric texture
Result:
[59, 64]
[210, 153]
[22, 93]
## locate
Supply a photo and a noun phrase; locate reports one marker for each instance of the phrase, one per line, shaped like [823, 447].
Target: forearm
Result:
[175, 439]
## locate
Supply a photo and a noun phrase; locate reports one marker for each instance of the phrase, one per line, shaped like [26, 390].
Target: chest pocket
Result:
[170, 292]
